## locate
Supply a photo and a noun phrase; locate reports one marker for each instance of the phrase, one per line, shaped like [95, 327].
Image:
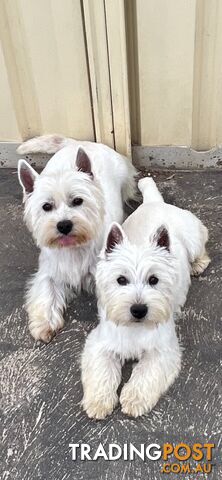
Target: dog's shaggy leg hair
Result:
[200, 264]
[101, 375]
[45, 302]
[201, 258]
[151, 377]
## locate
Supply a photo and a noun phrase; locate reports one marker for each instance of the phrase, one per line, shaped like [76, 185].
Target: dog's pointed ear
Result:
[161, 238]
[115, 237]
[83, 162]
[27, 176]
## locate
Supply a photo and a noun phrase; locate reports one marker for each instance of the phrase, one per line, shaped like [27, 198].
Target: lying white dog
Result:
[142, 280]
[68, 208]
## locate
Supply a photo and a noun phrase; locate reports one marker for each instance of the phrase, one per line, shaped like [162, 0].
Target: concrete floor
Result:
[41, 389]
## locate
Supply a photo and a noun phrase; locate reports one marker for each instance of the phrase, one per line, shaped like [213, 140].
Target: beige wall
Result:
[175, 71]
[85, 69]
[44, 81]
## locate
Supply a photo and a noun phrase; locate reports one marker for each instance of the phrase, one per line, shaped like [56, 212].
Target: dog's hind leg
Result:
[129, 187]
[149, 190]
[202, 259]
[200, 264]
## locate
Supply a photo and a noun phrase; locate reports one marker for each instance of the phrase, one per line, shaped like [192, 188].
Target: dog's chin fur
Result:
[79, 237]
[73, 241]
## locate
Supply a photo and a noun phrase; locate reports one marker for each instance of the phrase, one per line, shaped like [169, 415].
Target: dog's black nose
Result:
[64, 227]
[139, 310]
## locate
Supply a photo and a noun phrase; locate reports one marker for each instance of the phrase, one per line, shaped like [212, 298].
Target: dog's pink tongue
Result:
[66, 241]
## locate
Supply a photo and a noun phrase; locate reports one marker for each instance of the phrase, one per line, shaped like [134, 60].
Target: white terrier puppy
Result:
[68, 208]
[142, 280]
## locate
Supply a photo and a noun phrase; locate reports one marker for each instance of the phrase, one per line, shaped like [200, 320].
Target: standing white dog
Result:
[142, 280]
[68, 208]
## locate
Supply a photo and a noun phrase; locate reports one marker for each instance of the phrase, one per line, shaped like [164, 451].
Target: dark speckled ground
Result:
[41, 389]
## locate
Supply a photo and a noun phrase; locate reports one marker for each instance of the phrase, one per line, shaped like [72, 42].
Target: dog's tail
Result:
[44, 144]
[149, 190]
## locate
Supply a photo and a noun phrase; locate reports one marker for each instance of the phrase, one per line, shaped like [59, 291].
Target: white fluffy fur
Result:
[103, 193]
[153, 341]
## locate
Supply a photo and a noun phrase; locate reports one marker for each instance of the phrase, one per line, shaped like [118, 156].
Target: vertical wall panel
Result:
[8, 124]
[133, 70]
[45, 57]
[97, 48]
[207, 93]
[18, 65]
[165, 49]
[117, 53]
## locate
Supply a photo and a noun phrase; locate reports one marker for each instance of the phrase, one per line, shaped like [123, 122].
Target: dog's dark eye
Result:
[77, 201]
[47, 207]
[122, 280]
[153, 280]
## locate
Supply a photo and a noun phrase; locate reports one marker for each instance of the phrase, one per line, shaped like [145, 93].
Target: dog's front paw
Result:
[99, 407]
[136, 402]
[40, 328]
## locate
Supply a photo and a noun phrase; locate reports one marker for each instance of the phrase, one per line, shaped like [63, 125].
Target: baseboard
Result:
[9, 158]
[148, 157]
[176, 157]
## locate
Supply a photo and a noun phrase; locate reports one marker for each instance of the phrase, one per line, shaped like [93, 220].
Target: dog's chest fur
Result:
[131, 342]
[70, 266]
